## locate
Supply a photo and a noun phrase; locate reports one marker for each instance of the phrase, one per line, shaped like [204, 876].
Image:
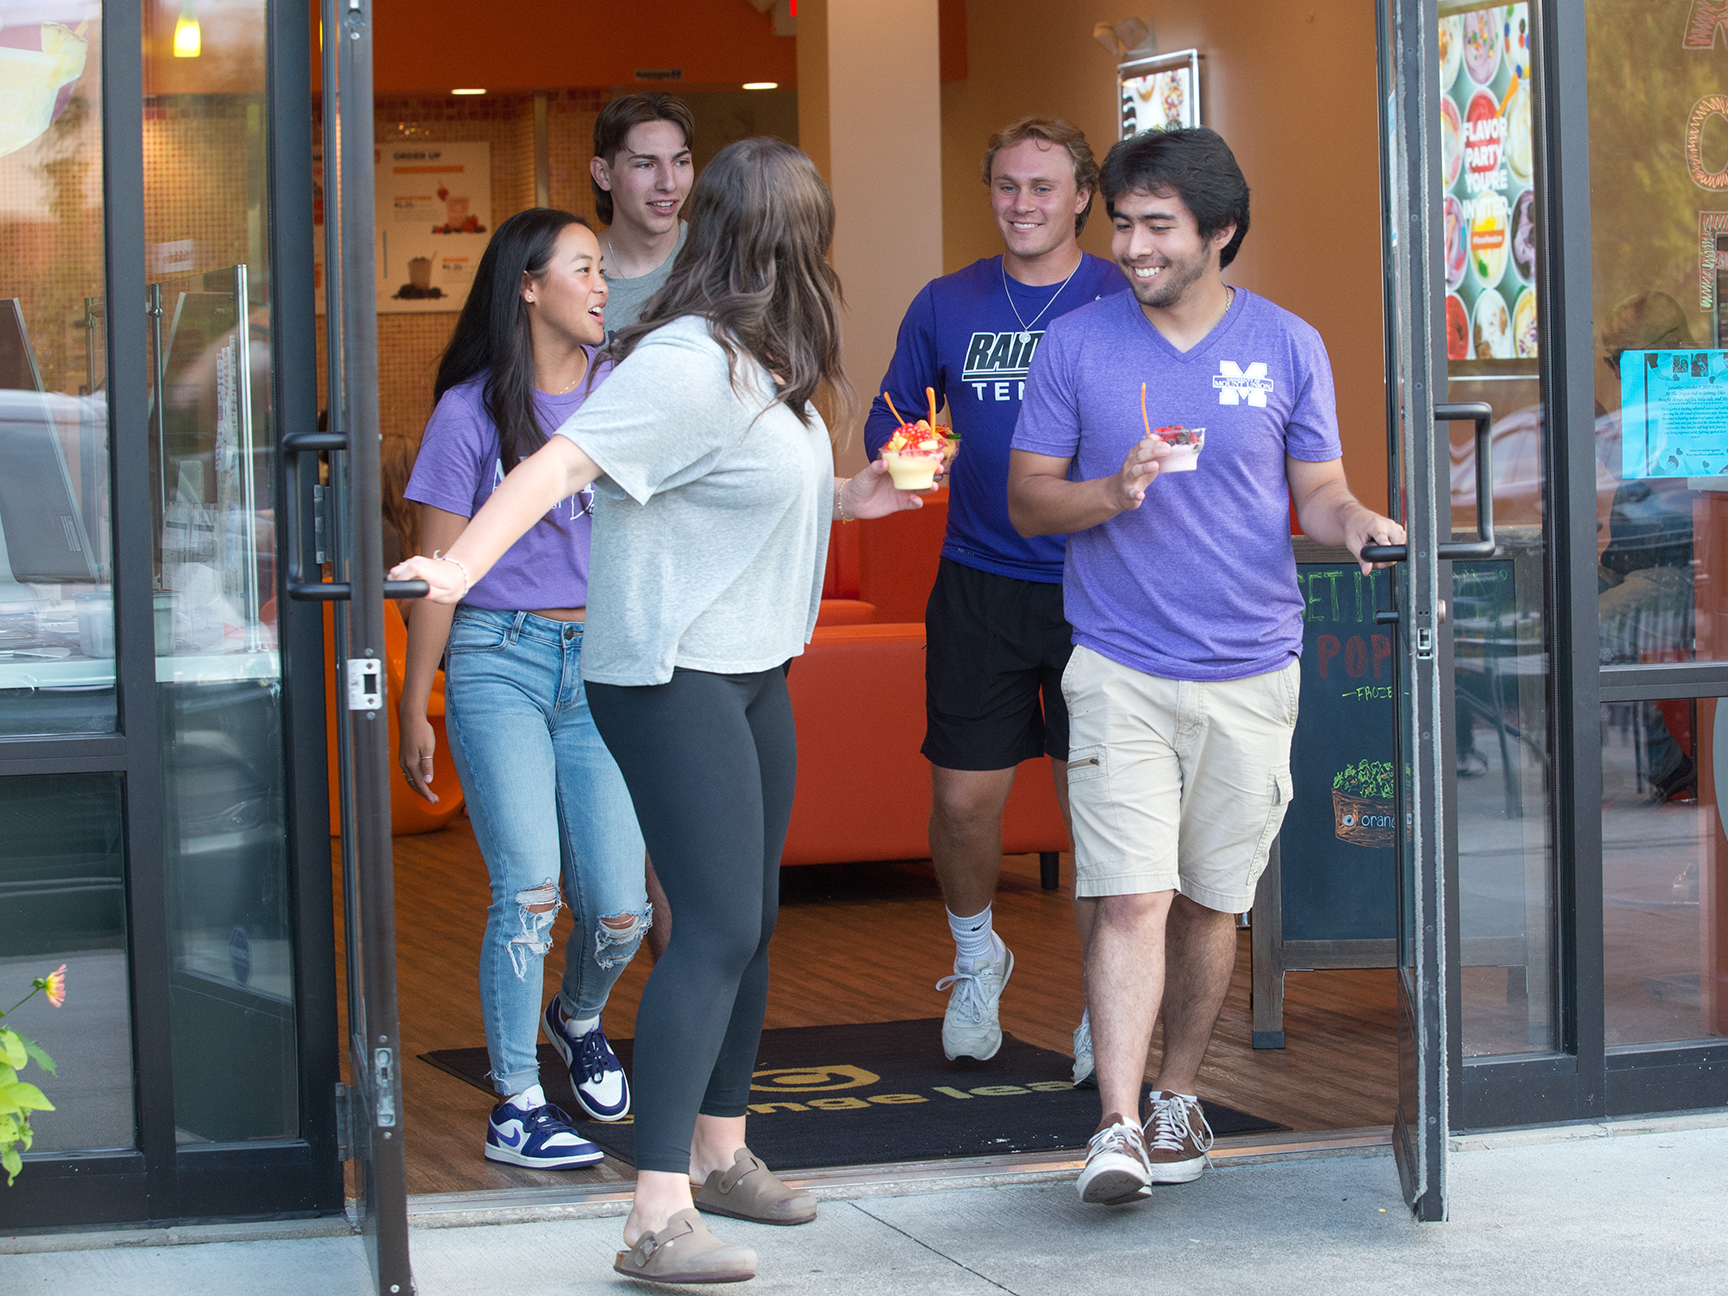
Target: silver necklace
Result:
[1025, 327]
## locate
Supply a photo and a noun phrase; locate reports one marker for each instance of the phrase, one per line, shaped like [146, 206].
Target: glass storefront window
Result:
[206, 220]
[56, 595]
[1492, 209]
[63, 900]
[1658, 220]
[1664, 871]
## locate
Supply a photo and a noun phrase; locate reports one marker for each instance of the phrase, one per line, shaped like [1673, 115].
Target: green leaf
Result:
[37, 1053]
[26, 1135]
[26, 1095]
[7, 1075]
[8, 1130]
[13, 1163]
[12, 1047]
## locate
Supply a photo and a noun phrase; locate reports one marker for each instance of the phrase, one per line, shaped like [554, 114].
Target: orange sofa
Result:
[858, 696]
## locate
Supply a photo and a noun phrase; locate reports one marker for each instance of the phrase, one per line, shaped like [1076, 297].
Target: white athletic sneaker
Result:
[970, 1027]
[1177, 1139]
[1085, 1070]
[1116, 1169]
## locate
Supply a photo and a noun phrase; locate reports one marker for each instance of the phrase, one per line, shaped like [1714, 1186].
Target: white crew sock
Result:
[582, 1025]
[974, 940]
[530, 1099]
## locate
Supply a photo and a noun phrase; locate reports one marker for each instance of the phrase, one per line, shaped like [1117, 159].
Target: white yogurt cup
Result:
[1184, 458]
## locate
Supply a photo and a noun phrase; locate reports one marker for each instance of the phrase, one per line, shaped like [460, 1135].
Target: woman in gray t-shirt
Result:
[715, 492]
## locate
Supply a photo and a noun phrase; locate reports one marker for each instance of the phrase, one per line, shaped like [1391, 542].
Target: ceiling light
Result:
[188, 40]
[761, 85]
[457, 92]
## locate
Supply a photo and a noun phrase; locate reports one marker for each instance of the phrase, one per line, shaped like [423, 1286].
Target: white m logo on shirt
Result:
[1234, 383]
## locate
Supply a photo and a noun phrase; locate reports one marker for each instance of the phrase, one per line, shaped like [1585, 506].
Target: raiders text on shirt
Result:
[996, 363]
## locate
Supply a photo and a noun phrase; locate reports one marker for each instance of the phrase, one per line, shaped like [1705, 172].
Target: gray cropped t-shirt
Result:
[711, 517]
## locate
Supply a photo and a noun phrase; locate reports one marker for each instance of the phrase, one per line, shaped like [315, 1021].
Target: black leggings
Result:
[710, 761]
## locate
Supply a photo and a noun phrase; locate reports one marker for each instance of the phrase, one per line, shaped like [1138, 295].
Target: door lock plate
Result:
[384, 1087]
[1424, 644]
[365, 684]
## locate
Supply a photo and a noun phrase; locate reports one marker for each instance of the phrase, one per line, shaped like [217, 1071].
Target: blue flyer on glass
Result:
[1674, 414]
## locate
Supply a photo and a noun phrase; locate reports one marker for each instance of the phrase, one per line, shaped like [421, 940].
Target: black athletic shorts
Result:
[996, 648]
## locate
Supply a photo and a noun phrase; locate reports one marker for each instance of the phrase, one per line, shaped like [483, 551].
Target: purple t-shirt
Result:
[1199, 582]
[459, 466]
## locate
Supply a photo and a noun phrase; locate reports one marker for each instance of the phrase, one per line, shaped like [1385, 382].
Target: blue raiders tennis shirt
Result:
[966, 337]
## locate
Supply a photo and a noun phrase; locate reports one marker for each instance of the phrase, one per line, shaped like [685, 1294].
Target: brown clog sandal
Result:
[749, 1191]
[685, 1252]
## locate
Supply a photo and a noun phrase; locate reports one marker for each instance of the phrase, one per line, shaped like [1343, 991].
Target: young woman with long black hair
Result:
[716, 490]
[545, 796]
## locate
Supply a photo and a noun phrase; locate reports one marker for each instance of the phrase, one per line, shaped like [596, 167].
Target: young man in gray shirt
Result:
[641, 172]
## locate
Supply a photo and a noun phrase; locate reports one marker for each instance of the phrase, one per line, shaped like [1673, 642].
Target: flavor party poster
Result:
[1488, 164]
[434, 219]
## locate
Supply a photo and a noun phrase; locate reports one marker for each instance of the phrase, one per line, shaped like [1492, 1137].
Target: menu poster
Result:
[1159, 93]
[1488, 162]
[434, 219]
[1673, 414]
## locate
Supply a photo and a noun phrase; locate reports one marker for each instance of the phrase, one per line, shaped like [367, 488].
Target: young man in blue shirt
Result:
[1181, 586]
[997, 640]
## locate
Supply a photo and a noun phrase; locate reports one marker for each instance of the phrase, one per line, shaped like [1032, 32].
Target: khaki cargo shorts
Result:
[1176, 785]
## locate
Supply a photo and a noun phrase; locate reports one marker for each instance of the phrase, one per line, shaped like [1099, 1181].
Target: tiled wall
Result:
[409, 344]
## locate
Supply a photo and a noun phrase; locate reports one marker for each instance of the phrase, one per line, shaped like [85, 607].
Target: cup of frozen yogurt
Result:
[1185, 445]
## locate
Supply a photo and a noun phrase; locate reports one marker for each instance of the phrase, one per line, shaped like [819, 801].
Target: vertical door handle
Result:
[323, 591]
[1483, 546]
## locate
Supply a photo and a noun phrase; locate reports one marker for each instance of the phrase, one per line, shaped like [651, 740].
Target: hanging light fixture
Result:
[188, 40]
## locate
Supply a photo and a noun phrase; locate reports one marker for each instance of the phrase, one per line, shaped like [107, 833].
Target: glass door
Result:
[373, 1099]
[1409, 69]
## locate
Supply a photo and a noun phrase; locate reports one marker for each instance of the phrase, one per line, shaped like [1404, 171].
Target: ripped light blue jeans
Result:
[548, 805]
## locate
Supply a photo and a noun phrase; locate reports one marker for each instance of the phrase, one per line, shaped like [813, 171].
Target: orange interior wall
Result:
[433, 46]
[1291, 87]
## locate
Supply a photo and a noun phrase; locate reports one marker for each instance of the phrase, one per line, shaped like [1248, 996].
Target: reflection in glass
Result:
[1492, 213]
[56, 596]
[206, 214]
[63, 900]
[1654, 233]
[1664, 870]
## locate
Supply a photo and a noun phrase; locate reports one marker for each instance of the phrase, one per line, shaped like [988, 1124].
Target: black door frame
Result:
[1584, 1080]
[158, 1181]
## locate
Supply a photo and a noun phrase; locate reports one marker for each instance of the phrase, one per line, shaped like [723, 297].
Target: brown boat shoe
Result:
[749, 1191]
[685, 1252]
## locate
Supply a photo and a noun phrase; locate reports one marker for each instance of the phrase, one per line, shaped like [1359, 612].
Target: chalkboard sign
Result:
[1335, 849]
[1336, 846]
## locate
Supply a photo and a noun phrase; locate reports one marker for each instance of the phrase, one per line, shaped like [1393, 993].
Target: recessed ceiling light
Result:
[761, 85]
[456, 92]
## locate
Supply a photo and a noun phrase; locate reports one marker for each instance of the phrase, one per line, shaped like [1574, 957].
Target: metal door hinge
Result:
[384, 1086]
[319, 525]
[365, 684]
[344, 1142]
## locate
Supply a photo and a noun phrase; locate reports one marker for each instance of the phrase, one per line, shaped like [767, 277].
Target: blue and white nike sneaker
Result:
[597, 1077]
[595, 1073]
[541, 1138]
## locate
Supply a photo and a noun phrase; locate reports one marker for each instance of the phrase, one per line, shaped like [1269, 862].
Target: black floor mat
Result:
[877, 1092]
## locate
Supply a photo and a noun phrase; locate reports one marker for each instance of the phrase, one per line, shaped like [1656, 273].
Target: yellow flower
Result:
[54, 984]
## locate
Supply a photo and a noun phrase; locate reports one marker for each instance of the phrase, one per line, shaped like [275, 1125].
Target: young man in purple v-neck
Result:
[1181, 588]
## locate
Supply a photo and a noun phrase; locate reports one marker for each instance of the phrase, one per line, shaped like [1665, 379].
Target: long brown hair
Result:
[396, 455]
[755, 266]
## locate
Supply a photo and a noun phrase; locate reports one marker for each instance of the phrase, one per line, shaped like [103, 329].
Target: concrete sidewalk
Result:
[1606, 1208]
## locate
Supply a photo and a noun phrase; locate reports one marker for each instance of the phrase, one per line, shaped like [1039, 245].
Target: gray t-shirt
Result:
[711, 519]
[625, 298]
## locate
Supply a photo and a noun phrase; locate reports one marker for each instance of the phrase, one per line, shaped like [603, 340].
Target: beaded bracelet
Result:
[438, 556]
[840, 502]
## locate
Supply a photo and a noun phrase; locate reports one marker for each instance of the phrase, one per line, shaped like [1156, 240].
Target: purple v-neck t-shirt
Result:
[458, 468]
[1199, 582]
